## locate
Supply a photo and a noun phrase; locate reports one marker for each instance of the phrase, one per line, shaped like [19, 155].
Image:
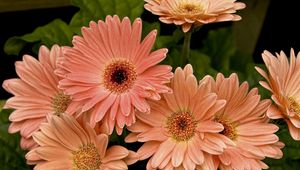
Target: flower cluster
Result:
[70, 100]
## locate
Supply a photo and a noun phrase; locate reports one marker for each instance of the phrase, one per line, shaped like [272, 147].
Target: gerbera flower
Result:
[112, 73]
[85, 151]
[180, 130]
[244, 121]
[283, 79]
[188, 13]
[35, 94]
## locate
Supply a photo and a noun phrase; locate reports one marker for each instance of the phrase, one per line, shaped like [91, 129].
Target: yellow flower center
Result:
[294, 106]
[60, 103]
[229, 128]
[191, 7]
[181, 126]
[86, 158]
[119, 76]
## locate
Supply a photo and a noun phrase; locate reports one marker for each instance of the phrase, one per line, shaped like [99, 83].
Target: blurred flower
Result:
[112, 73]
[66, 144]
[244, 121]
[283, 79]
[180, 131]
[188, 13]
[36, 94]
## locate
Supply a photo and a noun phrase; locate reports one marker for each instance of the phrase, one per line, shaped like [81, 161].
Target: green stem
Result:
[186, 48]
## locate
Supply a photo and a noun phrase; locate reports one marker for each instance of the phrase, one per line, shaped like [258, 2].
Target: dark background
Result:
[279, 31]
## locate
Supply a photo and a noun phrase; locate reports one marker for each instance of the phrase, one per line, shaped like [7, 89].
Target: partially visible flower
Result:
[66, 144]
[188, 13]
[244, 121]
[283, 80]
[112, 73]
[180, 131]
[36, 94]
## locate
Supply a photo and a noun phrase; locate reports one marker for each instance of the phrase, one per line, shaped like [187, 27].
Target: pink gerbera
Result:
[66, 144]
[188, 13]
[180, 131]
[36, 94]
[112, 73]
[283, 80]
[243, 118]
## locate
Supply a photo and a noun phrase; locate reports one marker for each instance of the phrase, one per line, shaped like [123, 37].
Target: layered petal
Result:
[36, 94]
[282, 80]
[248, 135]
[193, 13]
[86, 150]
[111, 71]
[179, 130]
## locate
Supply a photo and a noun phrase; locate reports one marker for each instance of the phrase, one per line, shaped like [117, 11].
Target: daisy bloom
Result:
[112, 73]
[283, 79]
[180, 131]
[188, 13]
[85, 151]
[36, 94]
[245, 124]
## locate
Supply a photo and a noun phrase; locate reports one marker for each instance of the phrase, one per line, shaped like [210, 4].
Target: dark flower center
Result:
[119, 76]
[181, 126]
[229, 128]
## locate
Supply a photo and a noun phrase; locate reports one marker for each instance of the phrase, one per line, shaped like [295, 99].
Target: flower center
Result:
[60, 103]
[229, 128]
[119, 76]
[294, 106]
[181, 126]
[86, 158]
[191, 7]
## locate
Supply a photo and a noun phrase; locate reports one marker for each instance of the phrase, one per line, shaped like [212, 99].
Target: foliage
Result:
[291, 151]
[61, 33]
[11, 155]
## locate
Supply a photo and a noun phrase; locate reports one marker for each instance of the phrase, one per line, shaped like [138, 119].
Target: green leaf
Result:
[169, 41]
[239, 59]
[220, 46]
[11, 155]
[173, 57]
[56, 32]
[2, 102]
[201, 64]
[148, 27]
[291, 151]
[292, 147]
[94, 10]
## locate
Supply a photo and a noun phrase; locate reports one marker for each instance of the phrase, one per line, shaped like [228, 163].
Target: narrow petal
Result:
[179, 153]
[115, 153]
[164, 149]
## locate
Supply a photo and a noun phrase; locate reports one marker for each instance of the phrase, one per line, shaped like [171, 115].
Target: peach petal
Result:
[101, 144]
[274, 113]
[114, 153]
[132, 158]
[153, 134]
[178, 153]
[210, 126]
[148, 149]
[49, 153]
[193, 151]
[54, 165]
[295, 132]
[164, 149]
